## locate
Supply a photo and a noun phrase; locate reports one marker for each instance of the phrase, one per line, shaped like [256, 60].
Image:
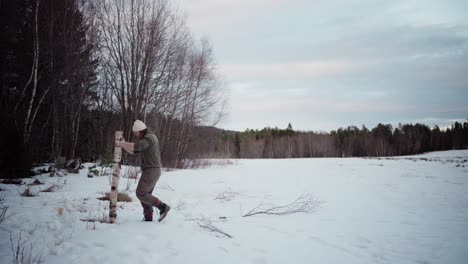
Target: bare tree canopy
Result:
[156, 71]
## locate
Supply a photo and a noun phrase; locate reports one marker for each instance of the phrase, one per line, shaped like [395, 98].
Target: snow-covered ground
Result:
[391, 210]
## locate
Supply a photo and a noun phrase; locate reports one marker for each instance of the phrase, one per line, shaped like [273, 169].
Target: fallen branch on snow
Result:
[208, 224]
[304, 204]
[226, 196]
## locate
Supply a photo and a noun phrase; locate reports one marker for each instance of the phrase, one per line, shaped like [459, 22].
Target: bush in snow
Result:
[93, 171]
[22, 254]
[106, 160]
[102, 216]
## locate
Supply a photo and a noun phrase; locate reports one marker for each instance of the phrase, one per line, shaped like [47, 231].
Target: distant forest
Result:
[383, 140]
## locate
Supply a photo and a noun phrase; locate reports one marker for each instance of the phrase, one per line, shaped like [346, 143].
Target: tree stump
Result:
[73, 165]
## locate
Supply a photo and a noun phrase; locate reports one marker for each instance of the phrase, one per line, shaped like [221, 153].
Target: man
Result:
[147, 145]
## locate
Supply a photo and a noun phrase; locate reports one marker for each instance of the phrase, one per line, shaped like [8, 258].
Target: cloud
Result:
[289, 70]
[338, 62]
[401, 43]
[311, 104]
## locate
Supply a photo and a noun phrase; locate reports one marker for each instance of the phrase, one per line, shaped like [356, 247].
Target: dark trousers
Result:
[149, 178]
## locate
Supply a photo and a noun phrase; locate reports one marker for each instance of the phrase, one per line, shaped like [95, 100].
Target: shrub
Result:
[93, 171]
[106, 160]
[22, 253]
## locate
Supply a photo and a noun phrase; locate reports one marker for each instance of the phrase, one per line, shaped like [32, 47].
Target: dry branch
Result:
[226, 196]
[101, 217]
[206, 223]
[54, 186]
[23, 254]
[304, 204]
[3, 209]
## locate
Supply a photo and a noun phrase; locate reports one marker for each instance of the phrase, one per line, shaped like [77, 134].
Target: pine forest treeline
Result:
[383, 140]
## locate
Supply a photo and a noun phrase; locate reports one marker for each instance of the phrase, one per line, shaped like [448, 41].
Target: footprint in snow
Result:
[259, 250]
[259, 261]
[99, 244]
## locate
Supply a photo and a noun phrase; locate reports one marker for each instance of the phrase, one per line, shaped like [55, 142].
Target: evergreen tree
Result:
[237, 146]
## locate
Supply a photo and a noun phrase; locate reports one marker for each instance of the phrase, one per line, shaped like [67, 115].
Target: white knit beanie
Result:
[138, 126]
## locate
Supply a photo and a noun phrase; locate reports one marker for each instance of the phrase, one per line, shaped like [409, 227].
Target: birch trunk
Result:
[115, 178]
[27, 121]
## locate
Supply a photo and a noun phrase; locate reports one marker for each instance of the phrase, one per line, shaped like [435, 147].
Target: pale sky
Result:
[325, 64]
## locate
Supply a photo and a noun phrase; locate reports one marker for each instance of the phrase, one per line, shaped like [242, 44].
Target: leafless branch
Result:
[304, 204]
[226, 196]
[3, 209]
[180, 206]
[206, 223]
[101, 217]
[23, 254]
[167, 187]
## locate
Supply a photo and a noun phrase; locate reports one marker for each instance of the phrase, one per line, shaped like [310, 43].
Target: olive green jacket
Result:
[148, 148]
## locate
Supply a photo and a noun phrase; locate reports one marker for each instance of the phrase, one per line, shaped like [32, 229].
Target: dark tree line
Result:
[48, 76]
[383, 140]
[74, 71]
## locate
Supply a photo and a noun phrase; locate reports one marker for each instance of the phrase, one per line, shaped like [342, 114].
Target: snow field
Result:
[391, 210]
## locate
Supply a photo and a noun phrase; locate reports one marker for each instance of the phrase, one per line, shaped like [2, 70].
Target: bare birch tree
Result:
[135, 50]
[115, 178]
[31, 110]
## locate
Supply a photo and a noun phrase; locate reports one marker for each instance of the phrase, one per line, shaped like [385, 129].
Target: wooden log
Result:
[115, 178]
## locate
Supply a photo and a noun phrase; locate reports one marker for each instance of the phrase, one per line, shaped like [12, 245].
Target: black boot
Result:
[163, 210]
[148, 217]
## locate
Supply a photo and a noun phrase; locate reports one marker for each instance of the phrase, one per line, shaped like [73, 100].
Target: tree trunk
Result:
[27, 121]
[115, 178]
